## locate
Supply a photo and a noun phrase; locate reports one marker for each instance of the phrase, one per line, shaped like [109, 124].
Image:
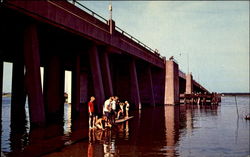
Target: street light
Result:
[110, 9]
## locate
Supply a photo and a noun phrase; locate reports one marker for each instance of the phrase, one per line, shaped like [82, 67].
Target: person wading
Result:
[91, 109]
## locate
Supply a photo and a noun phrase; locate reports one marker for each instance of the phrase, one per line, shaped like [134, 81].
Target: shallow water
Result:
[160, 131]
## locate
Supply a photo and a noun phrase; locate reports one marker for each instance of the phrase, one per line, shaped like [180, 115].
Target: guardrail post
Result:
[111, 26]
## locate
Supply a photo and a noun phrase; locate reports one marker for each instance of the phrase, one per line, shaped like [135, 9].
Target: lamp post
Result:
[110, 9]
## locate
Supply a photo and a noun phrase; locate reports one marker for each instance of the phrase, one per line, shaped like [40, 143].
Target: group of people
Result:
[112, 109]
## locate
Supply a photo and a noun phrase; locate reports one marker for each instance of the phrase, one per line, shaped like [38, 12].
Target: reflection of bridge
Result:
[104, 61]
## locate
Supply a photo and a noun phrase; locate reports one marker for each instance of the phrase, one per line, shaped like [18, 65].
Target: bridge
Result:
[104, 61]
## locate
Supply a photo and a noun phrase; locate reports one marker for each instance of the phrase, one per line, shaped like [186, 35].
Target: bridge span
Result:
[104, 61]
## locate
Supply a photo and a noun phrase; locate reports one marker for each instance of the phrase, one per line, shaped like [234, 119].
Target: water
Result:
[160, 131]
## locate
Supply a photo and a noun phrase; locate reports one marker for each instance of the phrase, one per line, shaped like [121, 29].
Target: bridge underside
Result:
[97, 68]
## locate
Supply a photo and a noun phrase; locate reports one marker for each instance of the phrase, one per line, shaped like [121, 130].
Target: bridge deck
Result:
[65, 15]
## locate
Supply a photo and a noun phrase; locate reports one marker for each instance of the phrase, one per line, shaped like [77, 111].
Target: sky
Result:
[209, 37]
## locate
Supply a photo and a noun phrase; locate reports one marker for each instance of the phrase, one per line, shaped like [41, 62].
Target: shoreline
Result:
[236, 94]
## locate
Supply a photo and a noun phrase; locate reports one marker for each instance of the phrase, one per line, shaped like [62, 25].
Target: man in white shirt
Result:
[107, 108]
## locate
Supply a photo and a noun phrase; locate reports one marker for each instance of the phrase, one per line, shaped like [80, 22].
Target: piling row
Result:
[200, 98]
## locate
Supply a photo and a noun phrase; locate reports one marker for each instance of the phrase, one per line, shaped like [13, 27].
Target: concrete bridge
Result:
[104, 61]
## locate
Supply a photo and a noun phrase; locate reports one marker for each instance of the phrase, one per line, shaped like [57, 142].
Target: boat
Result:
[123, 119]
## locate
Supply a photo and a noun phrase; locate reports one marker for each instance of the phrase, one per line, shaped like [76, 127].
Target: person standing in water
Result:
[120, 113]
[107, 108]
[91, 109]
[113, 110]
[127, 108]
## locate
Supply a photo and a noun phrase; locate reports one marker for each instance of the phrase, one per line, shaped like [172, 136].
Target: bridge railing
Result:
[155, 52]
[94, 14]
[91, 12]
[182, 74]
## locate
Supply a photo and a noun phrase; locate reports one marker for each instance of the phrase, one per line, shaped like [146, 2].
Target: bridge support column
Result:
[84, 87]
[18, 95]
[134, 87]
[76, 85]
[171, 83]
[158, 79]
[97, 77]
[146, 85]
[32, 76]
[54, 88]
[151, 91]
[107, 82]
[189, 84]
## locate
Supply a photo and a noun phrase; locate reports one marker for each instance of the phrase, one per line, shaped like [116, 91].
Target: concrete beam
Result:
[96, 76]
[171, 83]
[197, 85]
[32, 75]
[134, 87]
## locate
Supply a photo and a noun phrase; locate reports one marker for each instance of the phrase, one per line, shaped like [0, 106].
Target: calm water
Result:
[160, 131]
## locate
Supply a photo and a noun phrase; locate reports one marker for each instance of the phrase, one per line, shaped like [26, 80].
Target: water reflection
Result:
[107, 138]
[172, 119]
[67, 119]
[186, 130]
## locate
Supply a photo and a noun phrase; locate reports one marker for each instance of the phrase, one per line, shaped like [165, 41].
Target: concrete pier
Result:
[32, 75]
[18, 94]
[84, 87]
[96, 76]
[134, 87]
[54, 88]
[76, 74]
[146, 85]
[158, 80]
[107, 80]
[200, 98]
[189, 84]
[171, 83]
